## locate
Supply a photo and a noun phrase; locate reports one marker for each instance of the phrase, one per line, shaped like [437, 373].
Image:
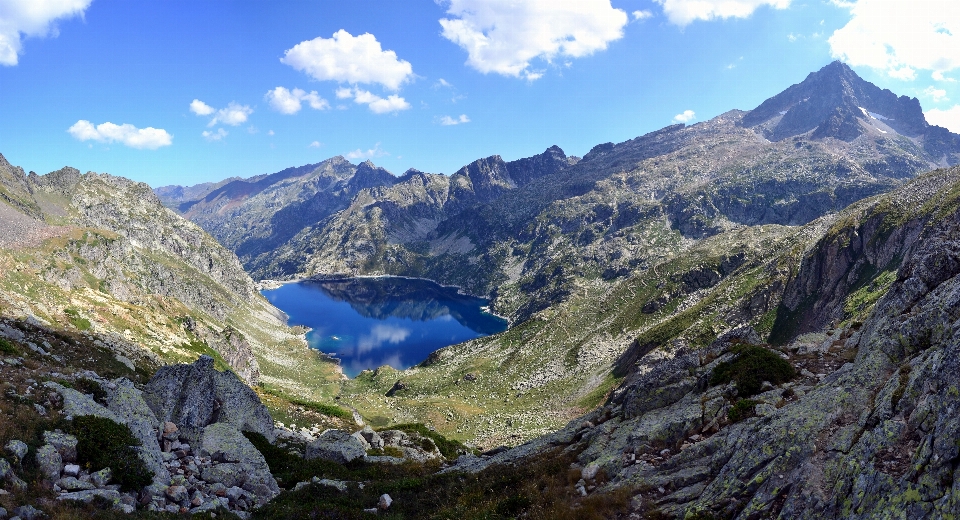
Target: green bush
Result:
[7, 348]
[752, 366]
[742, 409]
[103, 443]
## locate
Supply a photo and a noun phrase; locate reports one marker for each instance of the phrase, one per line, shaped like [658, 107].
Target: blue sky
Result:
[182, 92]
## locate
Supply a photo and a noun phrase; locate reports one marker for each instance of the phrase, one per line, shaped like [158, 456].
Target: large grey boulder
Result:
[336, 445]
[238, 462]
[49, 462]
[194, 396]
[128, 403]
[64, 443]
[17, 449]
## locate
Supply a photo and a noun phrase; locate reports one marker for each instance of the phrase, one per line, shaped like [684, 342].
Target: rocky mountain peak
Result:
[62, 181]
[835, 102]
[369, 175]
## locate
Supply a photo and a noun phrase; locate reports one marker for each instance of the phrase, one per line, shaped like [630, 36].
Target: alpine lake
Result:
[370, 322]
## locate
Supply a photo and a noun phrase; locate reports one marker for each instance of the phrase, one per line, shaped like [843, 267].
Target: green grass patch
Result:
[76, 320]
[600, 393]
[752, 366]
[330, 410]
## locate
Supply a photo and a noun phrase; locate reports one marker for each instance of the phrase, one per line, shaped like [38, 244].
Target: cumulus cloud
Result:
[366, 154]
[234, 114]
[642, 15]
[141, 138]
[684, 12]
[315, 144]
[936, 94]
[900, 37]
[948, 118]
[214, 136]
[289, 101]
[685, 117]
[200, 108]
[25, 18]
[377, 104]
[504, 36]
[448, 121]
[349, 59]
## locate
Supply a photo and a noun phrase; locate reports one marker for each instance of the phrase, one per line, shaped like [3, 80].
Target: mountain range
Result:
[520, 231]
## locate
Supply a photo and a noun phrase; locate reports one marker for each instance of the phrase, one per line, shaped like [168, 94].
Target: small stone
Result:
[385, 502]
[74, 484]
[101, 478]
[71, 470]
[177, 494]
[169, 427]
[5, 469]
[41, 411]
[28, 512]
[590, 471]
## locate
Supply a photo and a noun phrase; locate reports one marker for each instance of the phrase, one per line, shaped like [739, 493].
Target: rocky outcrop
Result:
[336, 446]
[197, 395]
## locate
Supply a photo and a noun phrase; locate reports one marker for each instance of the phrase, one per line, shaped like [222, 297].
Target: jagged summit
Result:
[836, 102]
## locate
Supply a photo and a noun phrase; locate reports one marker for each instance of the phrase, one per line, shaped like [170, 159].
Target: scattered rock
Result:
[335, 445]
[399, 385]
[65, 444]
[385, 502]
[74, 484]
[17, 449]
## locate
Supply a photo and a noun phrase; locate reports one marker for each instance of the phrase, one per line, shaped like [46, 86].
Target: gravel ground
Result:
[18, 230]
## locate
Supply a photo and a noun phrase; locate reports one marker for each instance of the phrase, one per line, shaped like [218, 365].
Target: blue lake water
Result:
[371, 322]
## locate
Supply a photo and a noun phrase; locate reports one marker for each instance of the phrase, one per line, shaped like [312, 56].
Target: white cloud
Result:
[504, 36]
[377, 104]
[234, 115]
[25, 18]
[349, 59]
[937, 94]
[126, 134]
[214, 136]
[685, 117]
[642, 15]
[368, 154]
[937, 75]
[289, 101]
[949, 118]
[443, 83]
[315, 144]
[900, 37]
[270, 132]
[448, 121]
[200, 108]
[684, 12]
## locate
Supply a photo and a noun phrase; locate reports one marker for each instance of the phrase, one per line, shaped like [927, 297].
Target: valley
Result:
[816, 233]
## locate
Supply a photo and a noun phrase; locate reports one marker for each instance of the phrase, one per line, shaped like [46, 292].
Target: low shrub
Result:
[89, 386]
[7, 348]
[752, 366]
[742, 409]
[329, 410]
[103, 443]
